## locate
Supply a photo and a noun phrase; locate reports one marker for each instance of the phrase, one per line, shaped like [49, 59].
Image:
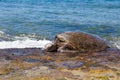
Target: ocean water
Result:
[34, 23]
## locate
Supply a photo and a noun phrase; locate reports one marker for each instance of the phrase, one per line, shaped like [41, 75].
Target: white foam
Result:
[117, 44]
[28, 43]
[115, 41]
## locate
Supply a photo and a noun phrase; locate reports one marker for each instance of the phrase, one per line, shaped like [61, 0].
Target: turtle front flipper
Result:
[64, 48]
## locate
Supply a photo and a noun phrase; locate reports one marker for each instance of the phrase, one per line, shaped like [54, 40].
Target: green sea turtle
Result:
[77, 42]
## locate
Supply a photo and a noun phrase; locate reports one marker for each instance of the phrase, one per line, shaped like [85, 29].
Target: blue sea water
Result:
[21, 20]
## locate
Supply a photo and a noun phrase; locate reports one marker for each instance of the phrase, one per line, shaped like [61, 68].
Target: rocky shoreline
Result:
[37, 64]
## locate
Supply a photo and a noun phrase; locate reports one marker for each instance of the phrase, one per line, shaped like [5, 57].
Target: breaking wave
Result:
[8, 41]
[24, 44]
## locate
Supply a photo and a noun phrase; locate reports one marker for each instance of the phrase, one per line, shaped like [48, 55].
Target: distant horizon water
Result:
[34, 23]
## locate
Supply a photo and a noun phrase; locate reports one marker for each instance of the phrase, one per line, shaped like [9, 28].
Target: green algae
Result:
[102, 78]
[98, 78]
[61, 79]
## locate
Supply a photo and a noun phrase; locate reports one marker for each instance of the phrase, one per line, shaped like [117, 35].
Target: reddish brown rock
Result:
[41, 65]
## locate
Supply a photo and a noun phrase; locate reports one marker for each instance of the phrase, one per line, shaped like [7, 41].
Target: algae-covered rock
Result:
[4, 71]
[36, 71]
[42, 65]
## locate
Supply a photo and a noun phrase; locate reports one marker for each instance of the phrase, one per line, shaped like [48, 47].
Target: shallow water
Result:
[31, 21]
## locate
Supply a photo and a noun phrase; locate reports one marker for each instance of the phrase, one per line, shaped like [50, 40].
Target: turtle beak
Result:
[56, 40]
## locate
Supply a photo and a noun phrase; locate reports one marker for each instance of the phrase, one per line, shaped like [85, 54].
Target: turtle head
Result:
[61, 39]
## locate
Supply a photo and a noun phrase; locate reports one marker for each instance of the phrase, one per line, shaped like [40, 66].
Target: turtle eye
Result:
[61, 40]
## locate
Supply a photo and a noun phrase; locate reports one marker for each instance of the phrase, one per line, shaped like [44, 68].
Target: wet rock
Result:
[67, 64]
[72, 64]
[31, 60]
[5, 70]
[95, 74]
[101, 74]
[40, 78]
[21, 65]
[36, 71]
[38, 65]
[19, 52]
